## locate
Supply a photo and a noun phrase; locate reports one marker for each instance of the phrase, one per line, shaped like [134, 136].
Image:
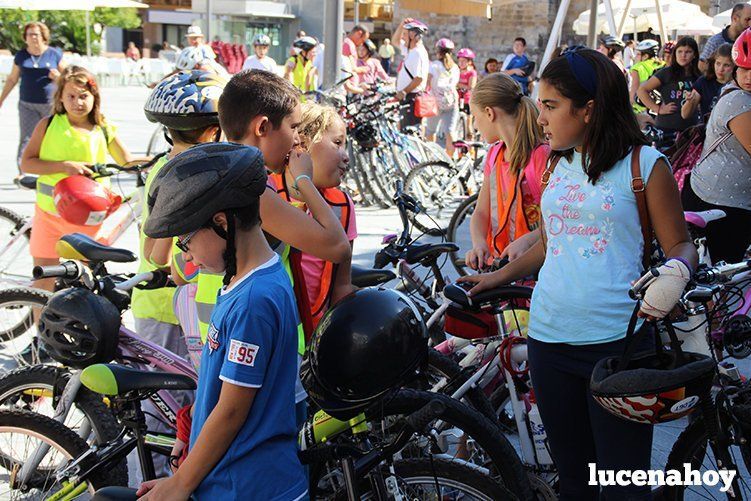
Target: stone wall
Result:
[531, 19]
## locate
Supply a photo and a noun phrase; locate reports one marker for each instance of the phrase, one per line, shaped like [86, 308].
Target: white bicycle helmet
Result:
[186, 100]
[189, 58]
[648, 47]
[261, 39]
[417, 26]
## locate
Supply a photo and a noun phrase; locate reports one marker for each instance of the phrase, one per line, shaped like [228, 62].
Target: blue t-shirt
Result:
[709, 90]
[252, 342]
[521, 62]
[594, 252]
[36, 86]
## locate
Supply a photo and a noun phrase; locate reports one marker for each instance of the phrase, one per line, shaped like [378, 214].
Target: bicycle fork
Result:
[61, 413]
[719, 443]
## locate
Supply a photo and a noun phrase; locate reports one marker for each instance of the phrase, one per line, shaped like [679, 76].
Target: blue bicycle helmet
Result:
[187, 100]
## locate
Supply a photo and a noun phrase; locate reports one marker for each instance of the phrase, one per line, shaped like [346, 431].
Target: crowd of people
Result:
[247, 213]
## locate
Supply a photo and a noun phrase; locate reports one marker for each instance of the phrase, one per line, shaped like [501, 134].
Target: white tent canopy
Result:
[642, 15]
[723, 18]
[697, 26]
[85, 5]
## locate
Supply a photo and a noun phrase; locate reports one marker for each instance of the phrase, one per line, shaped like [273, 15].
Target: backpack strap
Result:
[638, 186]
[549, 168]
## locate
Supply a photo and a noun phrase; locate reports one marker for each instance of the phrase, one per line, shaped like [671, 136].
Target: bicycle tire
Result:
[444, 366]
[461, 212]
[353, 171]
[377, 163]
[446, 474]
[15, 222]
[684, 450]
[504, 464]
[365, 175]
[422, 172]
[57, 435]
[16, 389]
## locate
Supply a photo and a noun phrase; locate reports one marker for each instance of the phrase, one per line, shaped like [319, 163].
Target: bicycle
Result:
[18, 228]
[439, 185]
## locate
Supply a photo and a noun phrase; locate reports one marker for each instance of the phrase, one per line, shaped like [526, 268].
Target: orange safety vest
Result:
[339, 203]
[505, 196]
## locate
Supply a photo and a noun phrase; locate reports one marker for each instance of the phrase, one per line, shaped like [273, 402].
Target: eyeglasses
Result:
[182, 244]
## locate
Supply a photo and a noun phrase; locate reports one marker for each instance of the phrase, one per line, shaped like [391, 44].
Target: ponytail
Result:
[447, 60]
[528, 135]
[499, 90]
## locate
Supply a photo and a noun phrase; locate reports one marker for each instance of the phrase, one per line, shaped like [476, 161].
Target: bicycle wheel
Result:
[692, 447]
[439, 189]
[353, 178]
[462, 434]
[37, 388]
[21, 432]
[19, 345]
[383, 174]
[445, 376]
[458, 232]
[440, 479]
[158, 142]
[16, 262]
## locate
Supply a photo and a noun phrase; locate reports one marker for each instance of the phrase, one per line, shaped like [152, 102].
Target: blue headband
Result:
[583, 71]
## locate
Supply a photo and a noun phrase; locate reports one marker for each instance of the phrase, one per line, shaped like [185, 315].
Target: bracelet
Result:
[688, 266]
[297, 180]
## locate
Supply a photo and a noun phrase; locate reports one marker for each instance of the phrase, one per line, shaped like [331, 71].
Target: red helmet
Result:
[742, 50]
[82, 201]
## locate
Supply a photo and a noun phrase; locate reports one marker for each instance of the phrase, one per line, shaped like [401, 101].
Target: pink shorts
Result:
[47, 229]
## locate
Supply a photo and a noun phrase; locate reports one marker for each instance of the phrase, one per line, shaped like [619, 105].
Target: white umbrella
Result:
[698, 26]
[85, 5]
[723, 18]
[642, 15]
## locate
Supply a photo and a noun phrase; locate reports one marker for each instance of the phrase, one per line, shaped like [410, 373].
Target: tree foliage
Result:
[67, 27]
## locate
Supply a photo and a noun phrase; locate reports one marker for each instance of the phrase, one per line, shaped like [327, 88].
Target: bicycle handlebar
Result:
[69, 270]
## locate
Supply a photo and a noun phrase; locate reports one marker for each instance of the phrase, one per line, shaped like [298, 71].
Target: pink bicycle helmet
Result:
[417, 26]
[742, 50]
[444, 44]
[466, 53]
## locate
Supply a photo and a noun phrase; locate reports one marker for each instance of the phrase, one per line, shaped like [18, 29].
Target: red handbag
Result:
[426, 106]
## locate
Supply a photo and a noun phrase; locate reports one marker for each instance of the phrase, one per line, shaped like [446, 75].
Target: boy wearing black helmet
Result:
[243, 431]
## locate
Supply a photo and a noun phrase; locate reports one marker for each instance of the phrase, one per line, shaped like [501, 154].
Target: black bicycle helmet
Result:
[79, 328]
[370, 47]
[369, 343]
[206, 179]
[305, 43]
[655, 387]
[187, 100]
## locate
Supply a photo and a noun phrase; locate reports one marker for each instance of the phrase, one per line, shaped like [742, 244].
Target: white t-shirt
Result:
[443, 78]
[418, 63]
[266, 64]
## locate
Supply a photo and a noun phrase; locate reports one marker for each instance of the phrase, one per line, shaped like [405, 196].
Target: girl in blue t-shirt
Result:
[590, 252]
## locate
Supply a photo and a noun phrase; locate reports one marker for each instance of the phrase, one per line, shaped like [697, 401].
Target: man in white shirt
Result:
[195, 39]
[413, 74]
[260, 60]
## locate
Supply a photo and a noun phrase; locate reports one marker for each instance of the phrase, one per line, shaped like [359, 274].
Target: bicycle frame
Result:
[138, 353]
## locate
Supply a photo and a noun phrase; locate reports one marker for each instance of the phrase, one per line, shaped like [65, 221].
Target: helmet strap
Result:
[230, 256]
[167, 137]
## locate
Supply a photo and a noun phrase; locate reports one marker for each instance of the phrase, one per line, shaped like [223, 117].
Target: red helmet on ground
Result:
[742, 50]
[82, 201]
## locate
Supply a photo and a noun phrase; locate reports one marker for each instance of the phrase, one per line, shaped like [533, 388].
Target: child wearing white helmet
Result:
[261, 59]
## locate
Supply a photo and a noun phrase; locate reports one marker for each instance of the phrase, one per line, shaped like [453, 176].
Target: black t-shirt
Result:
[674, 91]
[709, 90]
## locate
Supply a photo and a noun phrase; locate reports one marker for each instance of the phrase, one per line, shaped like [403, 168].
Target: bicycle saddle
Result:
[111, 379]
[84, 248]
[416, 253]
[458, 294]
[114, 493]
[703, 218]
[366, 277]
[28, 182]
